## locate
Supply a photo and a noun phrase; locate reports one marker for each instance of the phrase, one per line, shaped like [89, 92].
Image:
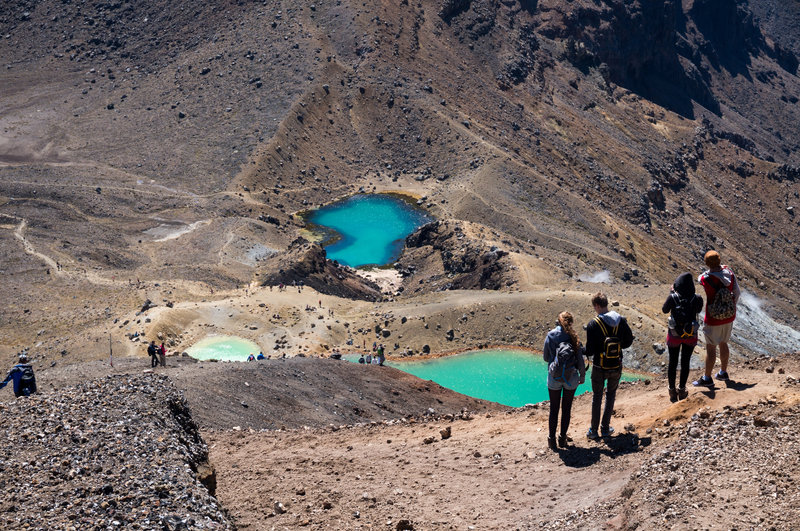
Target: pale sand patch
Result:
[389, 280]
[166, 232]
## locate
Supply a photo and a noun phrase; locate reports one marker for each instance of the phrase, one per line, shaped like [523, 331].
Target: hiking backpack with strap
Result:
[611, 355]
[683, 316]
[27, 383]
[564, 363]
[723, 305]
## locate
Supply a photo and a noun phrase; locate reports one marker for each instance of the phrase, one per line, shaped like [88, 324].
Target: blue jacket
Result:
[16, 375]
[555, 337]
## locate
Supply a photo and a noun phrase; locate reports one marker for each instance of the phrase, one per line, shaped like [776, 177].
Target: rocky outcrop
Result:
[658, 49]
[449, 258]
[112, 452]
[306, 264]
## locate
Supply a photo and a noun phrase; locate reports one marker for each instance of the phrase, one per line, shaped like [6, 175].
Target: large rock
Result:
[305, 263]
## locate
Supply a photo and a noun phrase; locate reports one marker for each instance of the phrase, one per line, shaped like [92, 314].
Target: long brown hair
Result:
[565, 320]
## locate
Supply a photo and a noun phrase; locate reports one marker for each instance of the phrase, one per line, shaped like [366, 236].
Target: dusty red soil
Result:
[493, 472]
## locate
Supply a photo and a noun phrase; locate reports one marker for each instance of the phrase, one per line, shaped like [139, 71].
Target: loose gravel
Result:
[121, 451]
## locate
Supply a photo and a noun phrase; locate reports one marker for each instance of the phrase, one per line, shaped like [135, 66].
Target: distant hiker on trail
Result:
[606, 336]
[162, 355]
[564, 354]
[381, 354]
[152, 351]
[369, 358]
[22, 376]
[361, 359]
[684, 305]
[722, 295]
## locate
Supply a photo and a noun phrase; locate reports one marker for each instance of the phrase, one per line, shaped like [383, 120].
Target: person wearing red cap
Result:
[722, 295]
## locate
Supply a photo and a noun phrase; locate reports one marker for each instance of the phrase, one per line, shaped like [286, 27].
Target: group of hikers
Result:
[608, 333]
[158, 354]
[376, 357]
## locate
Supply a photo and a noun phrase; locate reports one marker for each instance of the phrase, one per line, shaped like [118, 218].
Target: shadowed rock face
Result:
[306, 263]
[662, 50]
[466, 262]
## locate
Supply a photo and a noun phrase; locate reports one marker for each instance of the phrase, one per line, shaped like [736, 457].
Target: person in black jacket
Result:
[152, 351]
[606, 335]
[684, 305]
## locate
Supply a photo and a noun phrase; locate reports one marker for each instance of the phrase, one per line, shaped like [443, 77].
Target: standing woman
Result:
[564, 354]
[684, 305]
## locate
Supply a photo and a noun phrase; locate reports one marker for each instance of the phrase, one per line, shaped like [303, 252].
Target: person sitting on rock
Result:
[261, 356]
[251, 357]
[22, 376]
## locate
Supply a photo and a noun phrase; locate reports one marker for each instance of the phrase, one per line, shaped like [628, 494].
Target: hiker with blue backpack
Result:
[566, 371]
[22, 376]
[683, 305]
[606, 336]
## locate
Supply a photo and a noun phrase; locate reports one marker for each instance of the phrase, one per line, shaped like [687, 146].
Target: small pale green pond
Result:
[223, 348]
[366, 229]
[510, 377]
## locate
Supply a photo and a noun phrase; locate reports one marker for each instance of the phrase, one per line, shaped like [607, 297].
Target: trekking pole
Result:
[110, 350]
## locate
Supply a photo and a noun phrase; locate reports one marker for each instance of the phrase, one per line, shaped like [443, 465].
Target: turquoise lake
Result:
[367, 229]
[510, 377]
[223, 348]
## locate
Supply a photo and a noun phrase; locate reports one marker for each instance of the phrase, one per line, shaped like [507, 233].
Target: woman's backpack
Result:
[684, 319]
[563, 365]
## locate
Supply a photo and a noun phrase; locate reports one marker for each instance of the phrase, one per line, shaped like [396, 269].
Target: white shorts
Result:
[716, 334]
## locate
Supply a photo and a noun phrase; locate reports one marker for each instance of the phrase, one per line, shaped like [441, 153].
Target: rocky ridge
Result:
[120, 451]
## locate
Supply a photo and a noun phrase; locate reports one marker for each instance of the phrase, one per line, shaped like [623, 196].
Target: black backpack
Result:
[684, 317]
[563, 365]
[27, 383]
[611, 355]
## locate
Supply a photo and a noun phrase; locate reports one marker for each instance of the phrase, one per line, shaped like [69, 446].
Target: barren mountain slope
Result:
[172, 144]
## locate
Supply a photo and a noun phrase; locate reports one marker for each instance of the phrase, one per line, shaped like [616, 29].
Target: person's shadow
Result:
[711, 392]
[738, 386]
[581, 457]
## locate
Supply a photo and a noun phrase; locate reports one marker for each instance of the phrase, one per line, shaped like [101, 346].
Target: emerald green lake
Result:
[510, 377]
[223, 348]
[367, 229]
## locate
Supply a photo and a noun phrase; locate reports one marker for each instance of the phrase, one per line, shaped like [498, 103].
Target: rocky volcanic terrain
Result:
[114, 452]
[156, 162]
[162, 152]
[124, 450]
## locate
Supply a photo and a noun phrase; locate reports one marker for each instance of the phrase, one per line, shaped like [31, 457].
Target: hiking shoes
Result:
[721, 375]
[703, 380]
[606, 432]
[563, 441]
[592, 434]
[682, 393]
[551, 443]
[673, 395]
